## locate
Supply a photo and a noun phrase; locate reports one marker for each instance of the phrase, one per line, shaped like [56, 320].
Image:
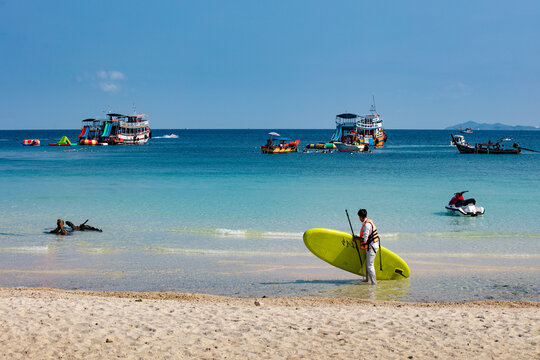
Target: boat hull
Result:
[280, 149]
[467, 210]
[341, 147]
[138, 139]
[377, 142]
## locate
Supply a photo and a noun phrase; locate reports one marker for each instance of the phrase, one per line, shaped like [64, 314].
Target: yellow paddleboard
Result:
[338, 249]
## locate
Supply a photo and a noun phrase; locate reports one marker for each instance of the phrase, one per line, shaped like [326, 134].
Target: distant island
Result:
[484, 126]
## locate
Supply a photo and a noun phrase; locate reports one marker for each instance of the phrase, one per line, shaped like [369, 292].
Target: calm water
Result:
[207, 212]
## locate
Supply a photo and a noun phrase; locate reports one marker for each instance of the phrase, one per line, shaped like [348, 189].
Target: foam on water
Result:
[223, 253]
[26, 249]
[170, 136]
[241, 233]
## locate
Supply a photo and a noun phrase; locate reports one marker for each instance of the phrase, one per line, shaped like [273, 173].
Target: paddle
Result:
[355, 243]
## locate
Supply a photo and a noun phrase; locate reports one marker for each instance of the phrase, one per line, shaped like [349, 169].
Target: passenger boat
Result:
[486, 148]
[117, 129]
[362, 130]
[466, 131]
[132, 129]
[277, 144]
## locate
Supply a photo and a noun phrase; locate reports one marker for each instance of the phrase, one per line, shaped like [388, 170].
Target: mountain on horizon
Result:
[486, 126]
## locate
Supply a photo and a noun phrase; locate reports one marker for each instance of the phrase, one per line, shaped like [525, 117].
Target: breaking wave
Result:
[39, 249]
[218, 252]
[240, 233]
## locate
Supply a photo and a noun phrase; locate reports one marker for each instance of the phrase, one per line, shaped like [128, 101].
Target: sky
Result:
[269, 64]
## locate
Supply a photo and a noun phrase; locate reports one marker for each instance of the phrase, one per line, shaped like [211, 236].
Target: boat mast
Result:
[373, 108]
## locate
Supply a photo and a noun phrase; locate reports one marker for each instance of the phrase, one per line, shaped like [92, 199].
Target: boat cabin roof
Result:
[347, 116]
[127, 116]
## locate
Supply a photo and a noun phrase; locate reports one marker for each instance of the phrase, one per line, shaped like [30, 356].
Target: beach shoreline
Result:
[52, 323]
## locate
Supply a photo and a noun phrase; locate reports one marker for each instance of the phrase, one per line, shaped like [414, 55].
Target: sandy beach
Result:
[49, 323]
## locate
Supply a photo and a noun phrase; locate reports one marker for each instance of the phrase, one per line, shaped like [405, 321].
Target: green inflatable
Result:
[64, 141]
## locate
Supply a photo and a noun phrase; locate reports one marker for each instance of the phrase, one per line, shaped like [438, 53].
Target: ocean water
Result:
[207, 212]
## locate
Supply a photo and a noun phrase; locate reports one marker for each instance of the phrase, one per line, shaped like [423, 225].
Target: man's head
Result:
[362, 214]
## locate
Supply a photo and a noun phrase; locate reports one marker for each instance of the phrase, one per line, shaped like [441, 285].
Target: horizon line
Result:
[416, 129]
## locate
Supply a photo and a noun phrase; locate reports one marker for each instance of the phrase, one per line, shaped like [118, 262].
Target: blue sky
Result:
[269, 64]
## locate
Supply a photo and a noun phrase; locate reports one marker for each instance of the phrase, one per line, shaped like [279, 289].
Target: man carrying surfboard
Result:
[369, 240]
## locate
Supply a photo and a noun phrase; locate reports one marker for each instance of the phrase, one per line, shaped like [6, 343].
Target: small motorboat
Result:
[279, 145]
[343, 147]
[458, 139]
[459, 206]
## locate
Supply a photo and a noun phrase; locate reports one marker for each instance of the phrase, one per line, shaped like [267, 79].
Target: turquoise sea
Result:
[207, 212]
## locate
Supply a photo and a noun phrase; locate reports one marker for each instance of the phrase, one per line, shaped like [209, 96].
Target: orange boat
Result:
[278, 145]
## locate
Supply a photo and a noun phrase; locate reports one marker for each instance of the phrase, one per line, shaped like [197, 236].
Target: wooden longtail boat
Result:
[486, 148]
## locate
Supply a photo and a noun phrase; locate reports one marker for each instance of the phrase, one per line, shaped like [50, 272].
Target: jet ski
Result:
[467, 210]
[459, 206]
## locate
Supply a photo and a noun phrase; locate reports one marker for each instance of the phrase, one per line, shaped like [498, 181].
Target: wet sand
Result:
[49, 323]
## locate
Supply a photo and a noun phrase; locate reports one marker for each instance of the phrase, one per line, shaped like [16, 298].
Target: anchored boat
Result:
[361, 130]
[343, 147]
[497, 147]
[357, 133]
[117, 129]
[277, 144]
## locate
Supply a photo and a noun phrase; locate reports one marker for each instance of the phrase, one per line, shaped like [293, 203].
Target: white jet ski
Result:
[465, 207]
[467, 210]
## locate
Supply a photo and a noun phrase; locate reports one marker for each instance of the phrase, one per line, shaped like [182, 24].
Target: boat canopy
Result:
[347, 116]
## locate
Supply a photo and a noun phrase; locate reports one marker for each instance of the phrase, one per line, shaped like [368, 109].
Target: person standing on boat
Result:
[369, 240]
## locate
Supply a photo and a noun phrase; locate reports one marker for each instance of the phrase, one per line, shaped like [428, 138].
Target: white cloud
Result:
[116, 75]
[102, 74]
[108, 80]
[108, 87]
